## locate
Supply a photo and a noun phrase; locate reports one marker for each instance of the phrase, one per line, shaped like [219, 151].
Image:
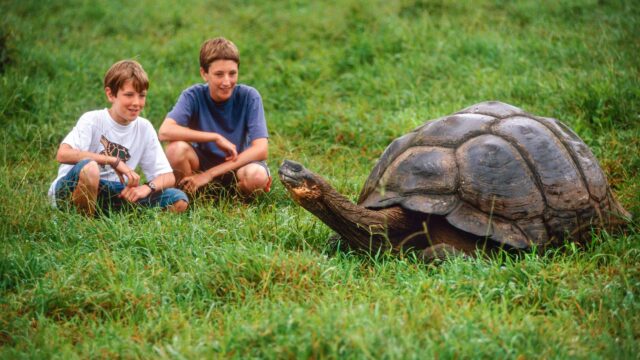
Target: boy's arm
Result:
[170, 130]
[154, 164]
[258, 151]
[162, 181]
[68, 155]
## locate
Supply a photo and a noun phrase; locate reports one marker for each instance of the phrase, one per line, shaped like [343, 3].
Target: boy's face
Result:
[222, 77]
[127, 104]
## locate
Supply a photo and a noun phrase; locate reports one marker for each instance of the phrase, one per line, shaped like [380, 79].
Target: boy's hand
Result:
[123, 170]
[227, 146]
[192, 183]
[268, 187]
[133, 194]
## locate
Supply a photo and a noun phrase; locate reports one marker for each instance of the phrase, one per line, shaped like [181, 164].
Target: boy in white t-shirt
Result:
[100, 154]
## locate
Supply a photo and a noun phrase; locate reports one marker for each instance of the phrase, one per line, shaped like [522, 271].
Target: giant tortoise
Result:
[488, 176]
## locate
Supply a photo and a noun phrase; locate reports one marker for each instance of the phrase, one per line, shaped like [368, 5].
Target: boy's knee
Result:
[177, 150]
[179, 206]
[253, 178]
[90, 172]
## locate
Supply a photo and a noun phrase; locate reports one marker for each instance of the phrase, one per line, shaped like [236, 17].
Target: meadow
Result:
[339, 81]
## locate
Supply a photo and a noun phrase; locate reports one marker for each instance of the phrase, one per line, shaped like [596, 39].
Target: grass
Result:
[339, 81]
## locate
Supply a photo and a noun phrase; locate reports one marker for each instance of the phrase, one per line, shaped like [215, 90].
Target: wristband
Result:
[116, 163]
[151, 186]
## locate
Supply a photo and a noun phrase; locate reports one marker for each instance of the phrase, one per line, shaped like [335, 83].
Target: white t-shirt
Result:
[135, 144]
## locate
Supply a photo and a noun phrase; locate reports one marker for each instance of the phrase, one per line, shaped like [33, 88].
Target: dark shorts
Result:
[208, 160]
[108, 192]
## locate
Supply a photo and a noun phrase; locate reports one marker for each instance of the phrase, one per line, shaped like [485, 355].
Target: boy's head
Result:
[218, 49]
[123, 71]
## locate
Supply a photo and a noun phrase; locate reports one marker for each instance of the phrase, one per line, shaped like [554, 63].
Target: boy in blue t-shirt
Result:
[218, 128]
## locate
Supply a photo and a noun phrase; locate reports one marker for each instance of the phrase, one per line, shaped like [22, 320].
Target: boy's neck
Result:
[114, 117]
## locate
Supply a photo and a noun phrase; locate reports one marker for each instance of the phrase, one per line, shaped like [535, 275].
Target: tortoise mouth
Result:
[292, 174]
[290, 182]
[299, 182]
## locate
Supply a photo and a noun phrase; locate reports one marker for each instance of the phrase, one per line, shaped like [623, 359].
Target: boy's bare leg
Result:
[85, 195]
[253, 178]
[183, 159]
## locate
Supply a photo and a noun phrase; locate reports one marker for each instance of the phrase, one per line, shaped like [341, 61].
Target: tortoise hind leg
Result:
[446, 241]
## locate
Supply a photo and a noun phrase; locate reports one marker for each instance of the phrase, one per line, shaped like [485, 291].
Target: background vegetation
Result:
[340, 80]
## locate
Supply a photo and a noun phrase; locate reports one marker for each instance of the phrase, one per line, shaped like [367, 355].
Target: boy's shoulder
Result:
[94, 116]
[247, 90]
[196, 89]
[246, 94]
[146, 123]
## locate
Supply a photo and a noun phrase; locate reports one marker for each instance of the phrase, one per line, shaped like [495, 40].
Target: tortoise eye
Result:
[294, 166]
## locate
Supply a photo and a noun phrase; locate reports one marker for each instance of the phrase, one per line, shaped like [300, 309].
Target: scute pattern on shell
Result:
[494, 170]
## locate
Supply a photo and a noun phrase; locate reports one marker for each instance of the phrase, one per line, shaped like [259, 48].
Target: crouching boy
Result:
[99, 156]
[217, 131]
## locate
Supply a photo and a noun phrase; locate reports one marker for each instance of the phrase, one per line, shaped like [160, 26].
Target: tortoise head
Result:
[305, 187]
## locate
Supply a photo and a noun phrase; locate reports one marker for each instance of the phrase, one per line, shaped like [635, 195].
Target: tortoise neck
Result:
[359, 226]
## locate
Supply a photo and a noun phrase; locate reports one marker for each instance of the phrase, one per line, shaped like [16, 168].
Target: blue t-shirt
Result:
[240, 119]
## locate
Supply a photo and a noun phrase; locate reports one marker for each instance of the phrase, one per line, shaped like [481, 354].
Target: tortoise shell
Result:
[494, 170]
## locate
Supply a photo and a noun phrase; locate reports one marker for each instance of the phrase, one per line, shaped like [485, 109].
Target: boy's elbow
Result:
[264, 153]
[162, 134]
[166, 180]
[171, 179]
[260, 150]
[61, 153]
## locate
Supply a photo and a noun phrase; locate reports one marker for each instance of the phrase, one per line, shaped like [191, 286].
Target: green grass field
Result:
[339, 80]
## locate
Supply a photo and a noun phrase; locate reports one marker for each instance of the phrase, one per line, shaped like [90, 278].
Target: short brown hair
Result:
[123, 71]
[218, 49]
